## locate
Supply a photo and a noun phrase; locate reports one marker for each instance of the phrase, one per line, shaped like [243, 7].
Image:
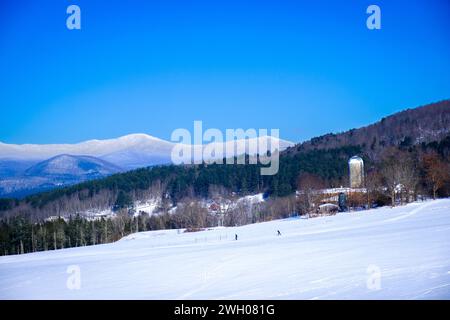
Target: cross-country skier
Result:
[235, 237]
[279, 233]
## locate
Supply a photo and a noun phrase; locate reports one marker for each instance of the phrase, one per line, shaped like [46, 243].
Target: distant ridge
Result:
[96, 148]
[129, 152]
[31, 168]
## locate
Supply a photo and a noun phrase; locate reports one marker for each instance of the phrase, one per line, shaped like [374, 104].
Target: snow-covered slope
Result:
[400, 253]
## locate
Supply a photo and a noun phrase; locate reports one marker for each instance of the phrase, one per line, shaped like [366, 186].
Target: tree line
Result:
[19, 235]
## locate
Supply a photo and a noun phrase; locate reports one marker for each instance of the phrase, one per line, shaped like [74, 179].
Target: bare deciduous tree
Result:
[308, 184]
[373, 184]
[436, 172]
[400, 174]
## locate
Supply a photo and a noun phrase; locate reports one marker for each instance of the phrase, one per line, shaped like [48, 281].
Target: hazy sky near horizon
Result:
[305, 67]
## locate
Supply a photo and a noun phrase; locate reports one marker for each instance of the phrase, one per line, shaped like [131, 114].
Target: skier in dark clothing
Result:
[279, 233]
[235, 237]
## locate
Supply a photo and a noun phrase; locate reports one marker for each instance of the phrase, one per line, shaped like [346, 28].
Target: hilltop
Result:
[407, 128]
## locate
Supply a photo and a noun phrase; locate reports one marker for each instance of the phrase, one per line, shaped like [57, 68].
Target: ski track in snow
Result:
[320, 258]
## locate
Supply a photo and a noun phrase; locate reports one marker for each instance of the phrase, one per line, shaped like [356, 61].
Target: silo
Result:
[356, 168]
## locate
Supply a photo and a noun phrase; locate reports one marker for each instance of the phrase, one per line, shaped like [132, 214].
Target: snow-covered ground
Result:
[400, 253]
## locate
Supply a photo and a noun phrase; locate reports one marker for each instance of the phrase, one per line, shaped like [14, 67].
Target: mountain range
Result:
[30, 168]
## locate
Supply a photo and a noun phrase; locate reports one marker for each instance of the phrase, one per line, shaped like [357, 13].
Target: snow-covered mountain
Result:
[29, 168]
[129, 152]
[121, 149]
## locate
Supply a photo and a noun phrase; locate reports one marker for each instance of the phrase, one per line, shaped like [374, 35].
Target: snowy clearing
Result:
[400, 253]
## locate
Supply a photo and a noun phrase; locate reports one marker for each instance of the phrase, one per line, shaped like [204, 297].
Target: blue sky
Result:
[305, 67]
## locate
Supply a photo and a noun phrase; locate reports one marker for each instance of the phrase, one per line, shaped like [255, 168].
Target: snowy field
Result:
[400, 253]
